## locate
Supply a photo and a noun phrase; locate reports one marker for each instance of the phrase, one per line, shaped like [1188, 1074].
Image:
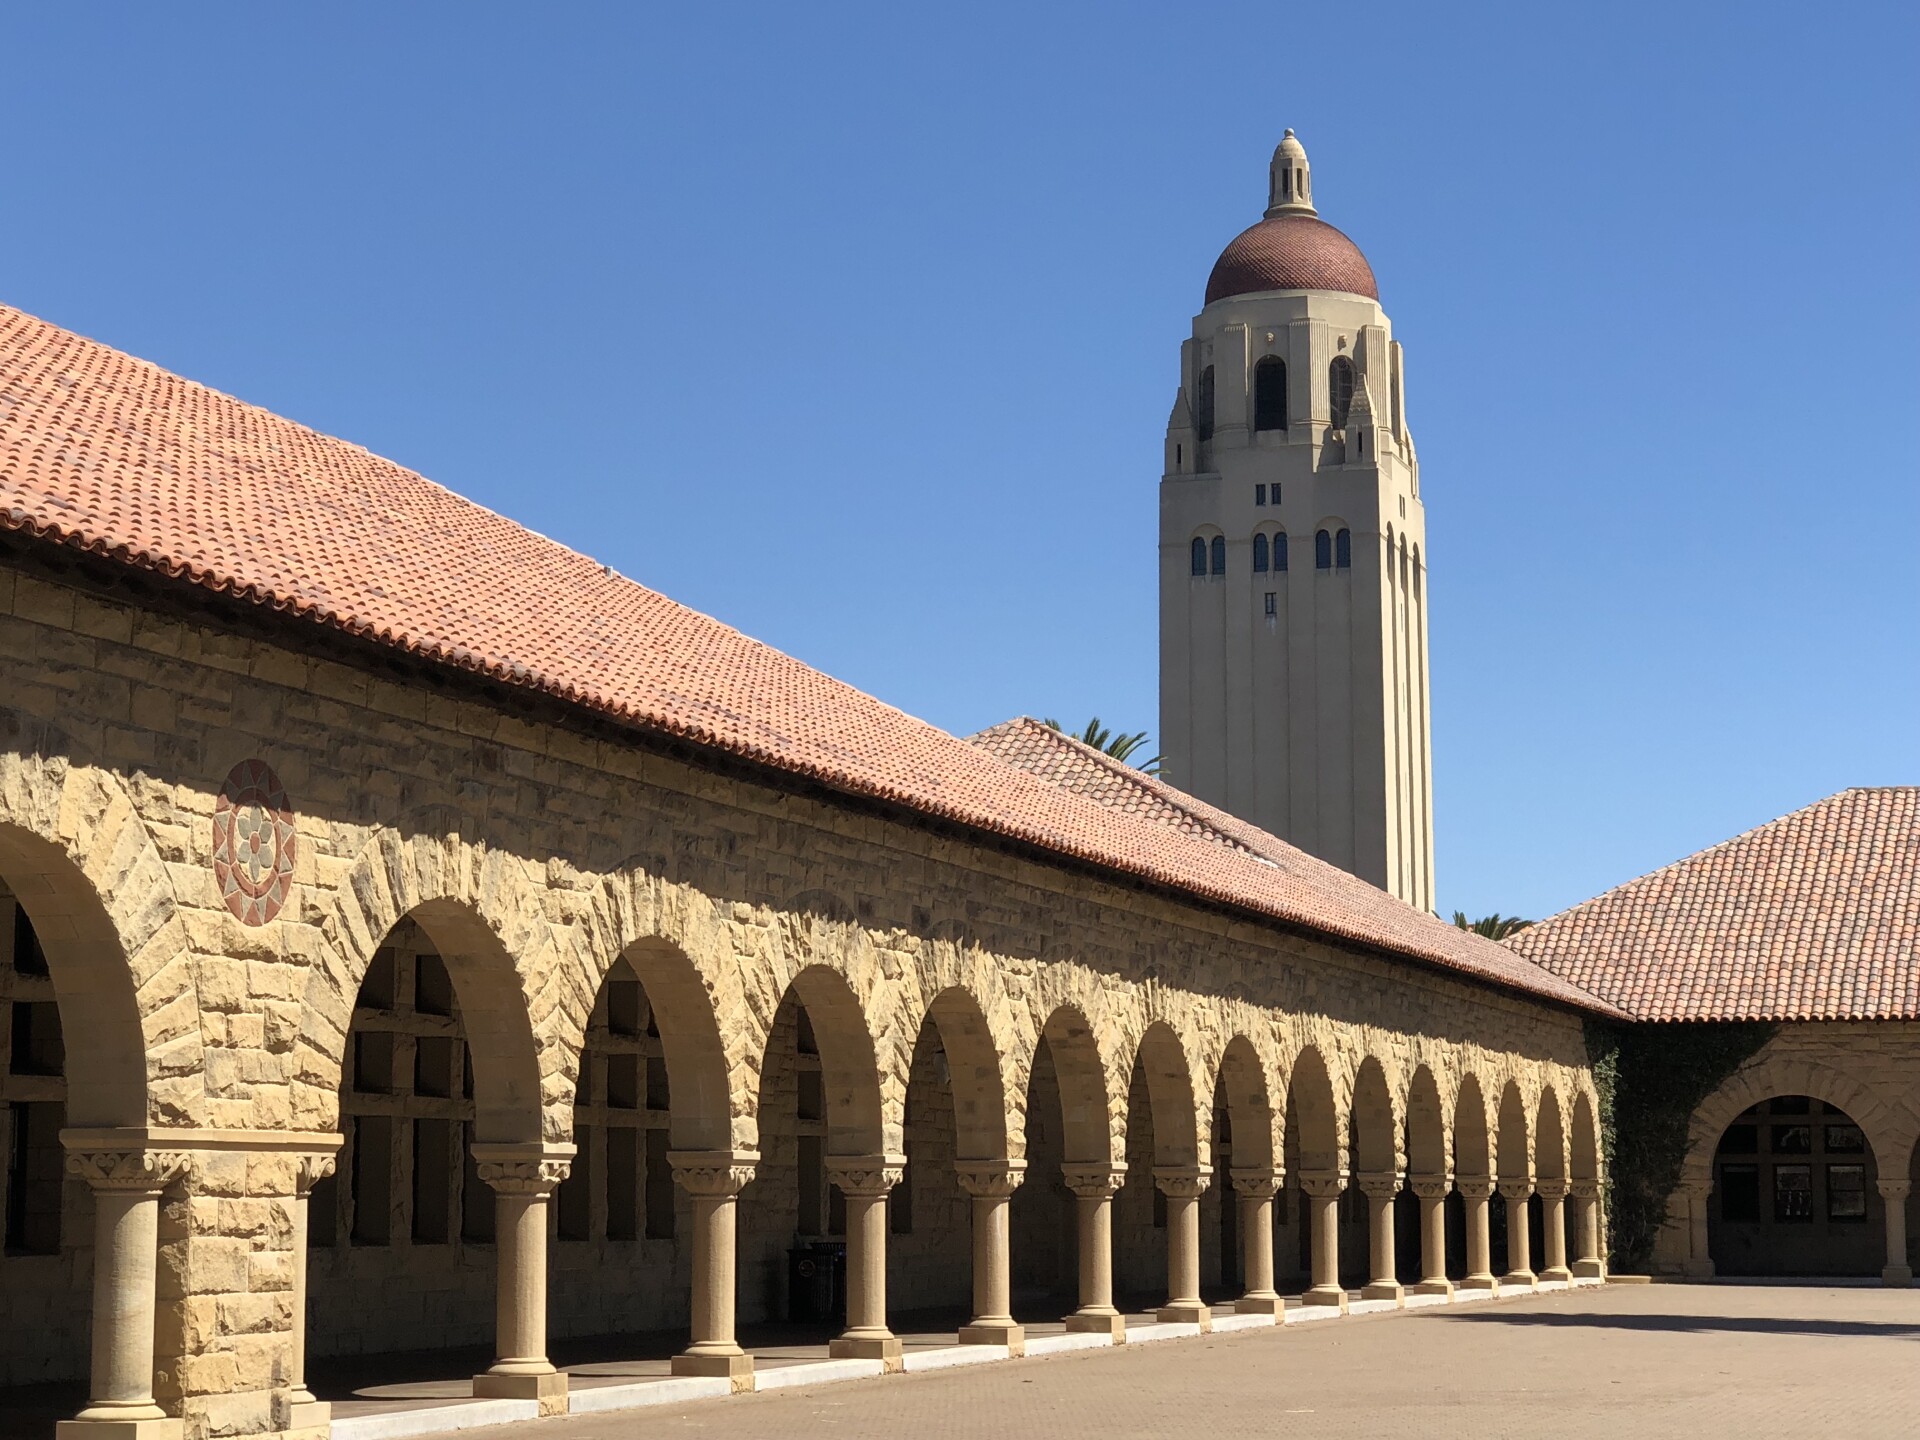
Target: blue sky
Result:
[857, 327]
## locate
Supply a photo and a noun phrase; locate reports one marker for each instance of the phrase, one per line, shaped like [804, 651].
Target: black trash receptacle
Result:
[816, 1283]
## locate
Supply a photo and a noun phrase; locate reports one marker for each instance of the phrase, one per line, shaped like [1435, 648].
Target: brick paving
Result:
[1616, 1364]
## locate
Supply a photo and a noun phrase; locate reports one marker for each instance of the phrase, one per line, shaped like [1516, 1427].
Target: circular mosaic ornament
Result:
[254, 845]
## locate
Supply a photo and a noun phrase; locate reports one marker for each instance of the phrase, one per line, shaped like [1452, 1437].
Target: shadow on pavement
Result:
[1753, 1325]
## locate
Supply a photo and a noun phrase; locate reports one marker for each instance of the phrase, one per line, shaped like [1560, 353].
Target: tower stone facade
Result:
[1293, 620]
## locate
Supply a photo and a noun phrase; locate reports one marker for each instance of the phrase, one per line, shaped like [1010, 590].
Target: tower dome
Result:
[1291, 248]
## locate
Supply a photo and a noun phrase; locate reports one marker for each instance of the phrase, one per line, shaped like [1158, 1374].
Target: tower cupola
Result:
[1289, 179]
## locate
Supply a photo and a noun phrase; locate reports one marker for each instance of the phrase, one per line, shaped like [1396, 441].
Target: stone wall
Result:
[533, 859]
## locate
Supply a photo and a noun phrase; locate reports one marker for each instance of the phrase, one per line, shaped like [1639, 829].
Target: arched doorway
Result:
[1795, 1192]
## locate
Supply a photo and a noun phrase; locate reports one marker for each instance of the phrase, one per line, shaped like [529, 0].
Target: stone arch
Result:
[1250, 1106]
[1375, 1127]
[849, 1062]
[1086, 1102]
[979, 1086]
[1512, 1138]
[1889, 1127]
[699, 1089]
[102, 902]
[1426, 1127]
[1550, 1139]
[1584, 1140]
[1319, 1137]
[1472, 1133]
[1176, 1123]
[472, 904]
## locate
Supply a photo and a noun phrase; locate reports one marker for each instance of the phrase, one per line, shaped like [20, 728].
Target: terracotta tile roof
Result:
[1290, 252]
[112, 455]
[1815, 916]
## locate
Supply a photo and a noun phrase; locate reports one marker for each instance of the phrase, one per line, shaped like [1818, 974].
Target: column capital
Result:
[130, 1170]
[713, 1173]
[1378, 1184]
[989, 1179]
[309, 1170]
[1585, 1189]
[523, 1167]
[866, 1176]
[1550, 1189]
[1094, 1180]
[1431, 1187]
[1322, 1183]
[1474, 1187]
[1515, 1187]
[1182, 1182]
[1895, 1189]
[1257, 1182]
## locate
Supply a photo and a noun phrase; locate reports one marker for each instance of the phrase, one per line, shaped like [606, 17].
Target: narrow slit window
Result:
[1199, 556]
[1323, 551]
[1280, 551]
[1219, 554]
[1270, 394]
[1343, 550]
[1260, 554]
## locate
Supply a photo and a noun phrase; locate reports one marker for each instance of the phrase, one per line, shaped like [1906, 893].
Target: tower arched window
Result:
[1219, 554]
[1199, 556]
[1203, 408]
[1270, 394]
[1280, 551]
[1340, 389]
[1259, 554]
[1323, 551]
[1343, 550]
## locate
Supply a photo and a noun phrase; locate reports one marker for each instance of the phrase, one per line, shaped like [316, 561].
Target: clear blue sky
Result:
[858, 328]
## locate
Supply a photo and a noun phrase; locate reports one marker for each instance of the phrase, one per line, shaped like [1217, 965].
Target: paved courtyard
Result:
[1620, 1363]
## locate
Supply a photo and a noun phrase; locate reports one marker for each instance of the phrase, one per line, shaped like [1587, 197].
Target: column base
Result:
[718, 1365]
[1518, 1280]
[1899, 1275]
[1384, 1290]
[1432, 1287]
[1261, 1304]
[1096, 1322]
[310, 1415]
[1697, 1269]
[1185, 1312]
[550, 1389]
[885, 1348]
[1010, 1333]
[1326, 1295]
[1557, 1272]
[1589, 1270]
[1480, 1282]
[159, 1428]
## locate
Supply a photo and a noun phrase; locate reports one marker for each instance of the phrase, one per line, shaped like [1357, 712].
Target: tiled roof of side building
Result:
[117, 457]
[1814, 916]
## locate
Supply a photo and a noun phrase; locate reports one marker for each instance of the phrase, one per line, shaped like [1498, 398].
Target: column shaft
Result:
[1383, 1280]
[1183, 1187]
[1478, 1195]
[713, 1180]
[305, 1412]
[1553, 1219]
[126, 1239]
[523, 1177]
[866, 1181]
[1323, 1208]
[1255, 1192]
[1893, 1194]
[1519, 1243]
[991, 1183]
[1432, 1194]
[1093, 1186]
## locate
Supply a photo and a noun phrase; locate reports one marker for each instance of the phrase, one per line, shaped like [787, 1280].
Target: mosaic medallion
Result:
[254, 844]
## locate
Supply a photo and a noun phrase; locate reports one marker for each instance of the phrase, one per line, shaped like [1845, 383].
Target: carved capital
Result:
[1430, 1187]
[1322, 1184]
[1516, 1189]
[1378, 1184]
[1474, 1187]
[1895, 1189]
[713, 1173]
[133, 1171]
[1551, 1189]
[990, 1179]
[1095, 1181]
[522, 1169]
[1256, 1182]
[866, 1176]
[1586, 1189]
[1182, 1182]
[310, 1170]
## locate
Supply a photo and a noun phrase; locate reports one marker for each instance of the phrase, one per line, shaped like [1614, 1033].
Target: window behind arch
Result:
[1340, 389]
[1270, 394]
[1323, 551]
[1343, 550]
[1199, 556]
[1203, 407]
[1280, 550]
[1219, 554]
[1260, 554]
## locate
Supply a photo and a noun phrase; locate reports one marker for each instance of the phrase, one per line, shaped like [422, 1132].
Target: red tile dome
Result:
[1291, 252]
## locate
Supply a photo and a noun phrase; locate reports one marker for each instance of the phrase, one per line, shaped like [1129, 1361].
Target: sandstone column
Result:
[1477, 1191]
[1693, 1198]
[1323, 1189]
[127, 1184]
[1383, 1282]
[1553, 1219]
[866, 1181]
[1431, 1191]
[991, 1183]
[1519, 1274]
[1255, 1189]
[714, 1179]
[1586, 1200]
[1093, 1186]
[1897, 1270]
[1183, 1185]
[523, 1177]
[306, 1413]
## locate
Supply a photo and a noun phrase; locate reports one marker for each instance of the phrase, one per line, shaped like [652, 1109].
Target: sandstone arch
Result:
[1550, 1142]
[1426, 1146]
[1250, 1106]
[1584, 1141]
[1176, 1122]
[981, 1130]
[1373, 1124]
[1513, 1138]
[849, 1064]
[1318, 1137]
[1889, 1126]
[1087, 1110]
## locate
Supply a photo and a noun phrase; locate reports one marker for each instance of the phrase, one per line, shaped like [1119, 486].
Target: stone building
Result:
[1293, 592]
[401, 909]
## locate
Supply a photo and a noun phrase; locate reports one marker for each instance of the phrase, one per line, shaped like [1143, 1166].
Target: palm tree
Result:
[1495, 926]
[1120, 747]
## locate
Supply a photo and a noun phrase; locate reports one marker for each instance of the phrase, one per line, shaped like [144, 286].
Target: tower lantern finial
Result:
[1289, 180]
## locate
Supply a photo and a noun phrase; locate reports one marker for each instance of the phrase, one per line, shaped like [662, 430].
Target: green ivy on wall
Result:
[1651, 1078]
